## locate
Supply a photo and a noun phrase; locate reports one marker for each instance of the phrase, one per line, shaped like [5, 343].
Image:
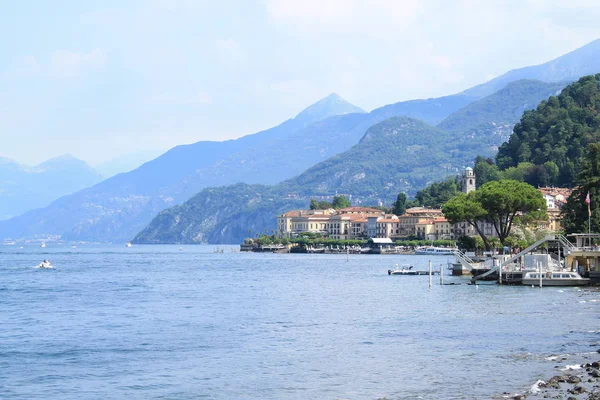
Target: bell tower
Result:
[468, 180]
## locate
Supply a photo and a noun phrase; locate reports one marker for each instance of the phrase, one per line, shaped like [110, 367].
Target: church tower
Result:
[468, 180]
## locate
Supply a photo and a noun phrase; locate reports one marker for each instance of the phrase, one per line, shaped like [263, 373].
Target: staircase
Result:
[464, 259]
[534, 246]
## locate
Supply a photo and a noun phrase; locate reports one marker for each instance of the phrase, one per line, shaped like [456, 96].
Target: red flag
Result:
[587, 198]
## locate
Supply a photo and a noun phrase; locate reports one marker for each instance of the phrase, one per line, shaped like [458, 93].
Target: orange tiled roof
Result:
[292, 213]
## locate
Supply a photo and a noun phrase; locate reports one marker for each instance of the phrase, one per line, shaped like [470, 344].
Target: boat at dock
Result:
[554, 278]
[434, 251]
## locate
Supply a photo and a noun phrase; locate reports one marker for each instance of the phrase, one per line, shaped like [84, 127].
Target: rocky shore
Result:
[574, 382]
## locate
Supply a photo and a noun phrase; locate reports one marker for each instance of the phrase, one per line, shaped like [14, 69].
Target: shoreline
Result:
[577, 378]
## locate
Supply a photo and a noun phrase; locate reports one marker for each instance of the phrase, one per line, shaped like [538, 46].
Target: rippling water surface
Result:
[160, 322]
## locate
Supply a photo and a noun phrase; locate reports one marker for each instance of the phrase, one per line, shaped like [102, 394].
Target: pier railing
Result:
[565, 242]
[464, 259]
[515, 257]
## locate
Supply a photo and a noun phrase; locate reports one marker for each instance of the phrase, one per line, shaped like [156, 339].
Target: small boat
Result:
[128, 244]
[434, 251]
[45, 264]
[554, 278]
[43, 244]
[407, 270]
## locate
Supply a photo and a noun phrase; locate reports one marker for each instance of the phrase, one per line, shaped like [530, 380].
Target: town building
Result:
[419, 222]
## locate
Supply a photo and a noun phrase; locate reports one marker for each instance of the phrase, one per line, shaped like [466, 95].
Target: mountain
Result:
[490, 120]
[327, 107]
[566, 68]
[395, 155]
[24, 188]
[119, 207]
[398, 154]
[125, 163]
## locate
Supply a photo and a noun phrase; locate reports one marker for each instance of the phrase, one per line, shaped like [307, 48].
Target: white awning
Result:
[382, 241]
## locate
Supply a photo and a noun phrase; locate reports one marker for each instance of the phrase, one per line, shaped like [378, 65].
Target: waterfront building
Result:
[294, 222]
[584, 257]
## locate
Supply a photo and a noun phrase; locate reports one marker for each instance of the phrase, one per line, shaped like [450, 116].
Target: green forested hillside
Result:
[398, 154]
[556, 133]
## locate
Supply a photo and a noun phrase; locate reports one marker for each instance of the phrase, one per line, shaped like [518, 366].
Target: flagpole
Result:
[588, 200]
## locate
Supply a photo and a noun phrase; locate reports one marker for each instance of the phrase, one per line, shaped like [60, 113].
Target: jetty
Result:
[581, 257]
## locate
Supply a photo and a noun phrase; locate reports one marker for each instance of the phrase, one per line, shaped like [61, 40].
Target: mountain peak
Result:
[328, 106]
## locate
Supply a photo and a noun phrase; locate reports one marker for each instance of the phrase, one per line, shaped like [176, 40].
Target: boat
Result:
[45, 264]
[435, 251]
[554, 278]
[128, 244]
[407, 270]
[43, 244]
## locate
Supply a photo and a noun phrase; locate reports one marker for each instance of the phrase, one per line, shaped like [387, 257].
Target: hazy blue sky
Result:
[103, 78]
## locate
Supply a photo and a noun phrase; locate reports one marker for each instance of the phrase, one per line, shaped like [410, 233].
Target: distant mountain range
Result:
[24, 188]
[566, 68]
[118, 208]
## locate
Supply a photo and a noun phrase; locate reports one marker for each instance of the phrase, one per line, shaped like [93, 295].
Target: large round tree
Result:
[504, 200]
[498, 202]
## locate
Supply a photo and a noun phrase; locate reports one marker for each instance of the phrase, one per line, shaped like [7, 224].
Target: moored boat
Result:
[435, 251]
[554, 278]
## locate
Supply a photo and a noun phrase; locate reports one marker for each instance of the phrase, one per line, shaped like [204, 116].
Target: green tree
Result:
[324, 205]
[485, 170]
[399, 207]
[340, 202]
[557, 132]
[466, 208]
[575, 212]
[438, 193]
[314, 205]
[503, 200]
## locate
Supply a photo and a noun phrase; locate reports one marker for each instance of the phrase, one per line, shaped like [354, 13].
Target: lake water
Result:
[157, 322]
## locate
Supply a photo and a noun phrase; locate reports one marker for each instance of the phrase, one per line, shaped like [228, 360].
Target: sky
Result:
[101, 79]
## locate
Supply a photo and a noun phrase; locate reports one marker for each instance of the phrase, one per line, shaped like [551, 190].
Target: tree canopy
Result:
[502, 200]
[340, 202]
[575, 212]
[466, 208]
[438, 193]
[553, 137]
[399, 206]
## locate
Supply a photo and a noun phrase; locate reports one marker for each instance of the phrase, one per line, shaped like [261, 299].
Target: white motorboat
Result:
[45, 264]
[406, 270]
[554, 278]
[434, 251]
[43, 244]
[128, 244]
